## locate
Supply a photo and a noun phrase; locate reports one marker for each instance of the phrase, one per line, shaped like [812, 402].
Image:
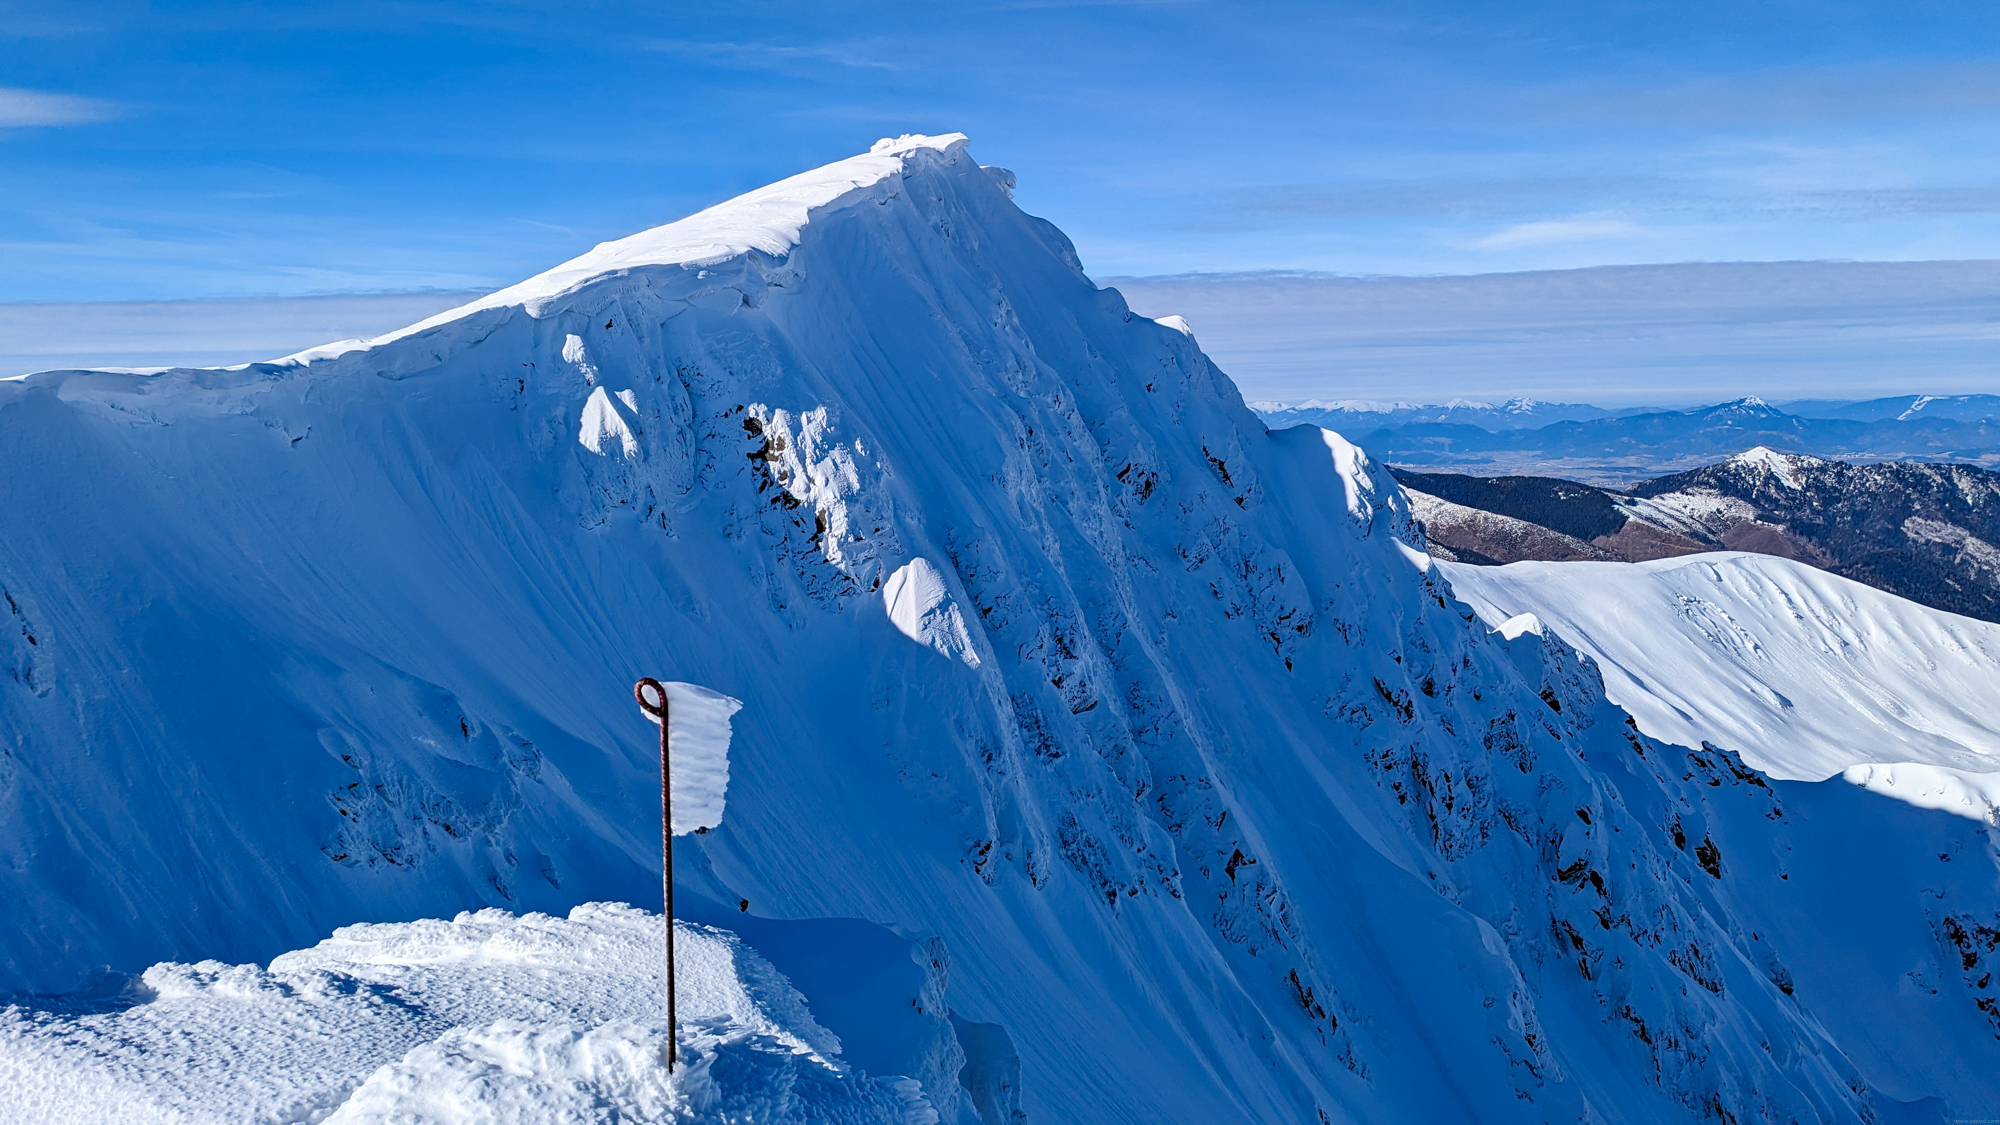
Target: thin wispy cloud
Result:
[1471, 196]
[1693, 332]
[1799, 94]
[768, 55]
[23, 108]
[1550, 231]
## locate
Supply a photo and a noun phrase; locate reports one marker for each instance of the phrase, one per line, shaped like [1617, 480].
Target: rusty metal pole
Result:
[659, 712]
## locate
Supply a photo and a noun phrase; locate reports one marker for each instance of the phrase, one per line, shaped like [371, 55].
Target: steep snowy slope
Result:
[1150, 729]
[1804, 673]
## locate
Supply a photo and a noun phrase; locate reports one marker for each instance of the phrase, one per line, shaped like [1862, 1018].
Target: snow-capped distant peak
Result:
[1468, 404]
[1748, 404]
[1783, 466]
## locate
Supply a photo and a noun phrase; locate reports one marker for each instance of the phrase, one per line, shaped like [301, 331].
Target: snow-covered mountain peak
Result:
[1749, 406]
[1190, 797]
[769, 220]
[1784, 467]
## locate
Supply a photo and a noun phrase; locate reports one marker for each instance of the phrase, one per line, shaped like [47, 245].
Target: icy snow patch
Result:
[573, 353]
[1352, 465]
[1974, 795]
[1177, 323]
[1419, 559]
[921, 609]
[602, 423]
[1806, 674]
[488, 1017]
[700, 753]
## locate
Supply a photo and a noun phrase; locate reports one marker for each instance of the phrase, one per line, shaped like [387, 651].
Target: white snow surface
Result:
[1807, 674]
[1238, 817]
[921, 609]
[487, 1018]
[699, 753]
[1784, 467]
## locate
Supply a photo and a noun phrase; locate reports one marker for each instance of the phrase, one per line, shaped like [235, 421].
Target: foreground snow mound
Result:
[1804, 673]
[486, 1018]
[1149, 730]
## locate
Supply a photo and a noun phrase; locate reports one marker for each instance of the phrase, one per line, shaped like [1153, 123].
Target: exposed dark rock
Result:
[1923, 531]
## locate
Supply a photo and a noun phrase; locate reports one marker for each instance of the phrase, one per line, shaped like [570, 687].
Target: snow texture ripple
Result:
[484, 1018]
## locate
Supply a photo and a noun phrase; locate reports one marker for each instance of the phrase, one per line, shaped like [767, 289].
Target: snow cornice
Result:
[770, 220]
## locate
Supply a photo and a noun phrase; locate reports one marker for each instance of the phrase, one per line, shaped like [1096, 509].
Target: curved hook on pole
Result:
[654, 711]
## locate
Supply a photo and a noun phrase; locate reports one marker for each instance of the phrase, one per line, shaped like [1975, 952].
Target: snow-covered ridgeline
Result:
[1214, 805]
[1806, 674]
[768, 221]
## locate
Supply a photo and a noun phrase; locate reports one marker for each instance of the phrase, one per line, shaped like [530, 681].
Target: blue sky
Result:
[188, 150]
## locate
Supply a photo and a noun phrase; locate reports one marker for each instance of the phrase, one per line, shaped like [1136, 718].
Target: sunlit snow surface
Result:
[484, 1018]
[1804, 673]
[768, 220]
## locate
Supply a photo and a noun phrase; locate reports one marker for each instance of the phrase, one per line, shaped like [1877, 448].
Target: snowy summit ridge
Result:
[766, 221]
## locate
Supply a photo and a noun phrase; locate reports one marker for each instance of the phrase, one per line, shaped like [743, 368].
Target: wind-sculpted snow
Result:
[486, 1018]
[700, 721]
[1213, 805]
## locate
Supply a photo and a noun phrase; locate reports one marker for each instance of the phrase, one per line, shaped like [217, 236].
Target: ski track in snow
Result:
[1171, 786]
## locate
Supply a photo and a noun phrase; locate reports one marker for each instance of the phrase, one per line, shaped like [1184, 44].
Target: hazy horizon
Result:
[1668, 335]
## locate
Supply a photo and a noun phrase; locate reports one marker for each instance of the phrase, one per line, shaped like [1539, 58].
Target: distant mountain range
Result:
[1619, 448]
[1346, 415]
[1924, 531]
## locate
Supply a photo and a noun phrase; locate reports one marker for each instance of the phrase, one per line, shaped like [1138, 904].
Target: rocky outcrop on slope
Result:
[1924, 530]
[1465, 534]
[1516, 519]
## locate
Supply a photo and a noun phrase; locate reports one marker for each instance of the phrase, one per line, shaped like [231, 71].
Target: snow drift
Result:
[1194, 791]
[488, 1017]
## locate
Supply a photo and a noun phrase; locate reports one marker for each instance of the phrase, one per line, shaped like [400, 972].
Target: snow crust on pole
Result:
[700, 751]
